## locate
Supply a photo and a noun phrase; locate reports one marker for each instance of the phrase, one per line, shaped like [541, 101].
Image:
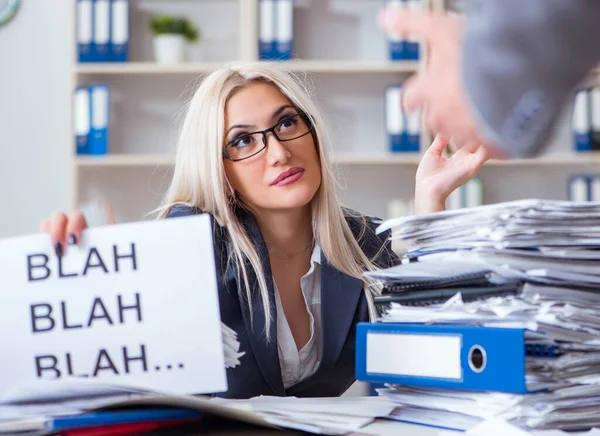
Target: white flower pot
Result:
[169, 49]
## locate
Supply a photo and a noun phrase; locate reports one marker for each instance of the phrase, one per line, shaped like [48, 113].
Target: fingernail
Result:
[72, 239]
[58, 249]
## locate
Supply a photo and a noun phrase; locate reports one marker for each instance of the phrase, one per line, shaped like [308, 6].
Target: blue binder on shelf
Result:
[581, 121]
[119, 30]
[266, 33]
[395, 121]
[413, 131]
[412, 43]
[595, 117]
[397, 49]
[100, 115]
[443, 356]
[101, 33]
[82, 119]
[85, 30]
[284, 29]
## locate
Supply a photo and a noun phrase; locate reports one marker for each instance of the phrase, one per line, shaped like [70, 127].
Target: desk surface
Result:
[386, 427]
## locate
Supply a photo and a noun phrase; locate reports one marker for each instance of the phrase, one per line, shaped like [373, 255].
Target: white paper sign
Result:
[134, 304]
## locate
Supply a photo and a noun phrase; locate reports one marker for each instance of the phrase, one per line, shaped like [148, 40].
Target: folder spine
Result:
[412, 42]
[100, 115]
[395, 121]
[119, 30]
[266, 34]
[284, 29]
[579, 188]
[581, 122]
[84, 30]
[101, 41]
[82, 119]
[397, 50]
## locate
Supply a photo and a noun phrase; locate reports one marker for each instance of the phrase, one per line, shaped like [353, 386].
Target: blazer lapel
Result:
[265, 353]
[340, 295]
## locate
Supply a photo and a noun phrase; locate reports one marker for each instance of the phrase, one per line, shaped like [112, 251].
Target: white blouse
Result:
[298, 365]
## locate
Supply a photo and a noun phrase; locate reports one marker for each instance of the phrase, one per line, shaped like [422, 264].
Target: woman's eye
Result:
[242, 142]
[287, 123]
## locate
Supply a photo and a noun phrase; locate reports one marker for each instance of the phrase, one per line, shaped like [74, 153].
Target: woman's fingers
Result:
[58, 232]
[75, 225]
[438, 145]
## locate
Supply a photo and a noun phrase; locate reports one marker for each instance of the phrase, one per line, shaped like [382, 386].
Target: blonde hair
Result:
[199, 178]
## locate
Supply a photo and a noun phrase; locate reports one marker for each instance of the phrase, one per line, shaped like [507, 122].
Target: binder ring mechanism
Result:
[477, 358]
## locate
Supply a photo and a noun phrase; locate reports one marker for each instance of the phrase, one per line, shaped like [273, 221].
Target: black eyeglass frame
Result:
[271, 129]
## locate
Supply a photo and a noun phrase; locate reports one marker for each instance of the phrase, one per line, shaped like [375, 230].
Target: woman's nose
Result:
[276, 151]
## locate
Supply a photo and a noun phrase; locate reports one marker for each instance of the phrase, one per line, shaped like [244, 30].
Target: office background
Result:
[345, 56]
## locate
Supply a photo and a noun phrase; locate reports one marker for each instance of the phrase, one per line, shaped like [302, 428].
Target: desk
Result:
[386, 427]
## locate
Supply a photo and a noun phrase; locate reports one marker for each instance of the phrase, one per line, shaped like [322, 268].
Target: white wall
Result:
[34, 93]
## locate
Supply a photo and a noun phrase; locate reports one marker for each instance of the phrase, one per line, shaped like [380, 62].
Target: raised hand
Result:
[439, 86]
[437, 177]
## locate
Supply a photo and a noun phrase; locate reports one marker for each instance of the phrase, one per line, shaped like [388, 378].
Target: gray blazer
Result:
[521, 60]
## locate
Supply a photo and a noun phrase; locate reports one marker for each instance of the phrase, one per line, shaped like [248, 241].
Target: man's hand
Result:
[438, 87]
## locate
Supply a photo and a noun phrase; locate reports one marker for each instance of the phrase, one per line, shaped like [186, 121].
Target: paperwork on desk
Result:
[545, 256]
[31, 410]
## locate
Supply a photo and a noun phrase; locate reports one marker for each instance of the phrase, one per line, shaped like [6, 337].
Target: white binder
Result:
[81, 119]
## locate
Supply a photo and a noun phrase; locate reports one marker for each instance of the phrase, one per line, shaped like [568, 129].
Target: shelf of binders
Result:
[410, 159]
[297, 65]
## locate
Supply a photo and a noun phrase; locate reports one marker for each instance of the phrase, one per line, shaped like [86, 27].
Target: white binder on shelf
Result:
[581, 123]
[81, 119]
[84, 28]
[454, 200]
[284, 29]
[119, 30]
[413, 131]
[396, 42]
[266, 32]
[579, 188]
[595, 188]
[101, 38]
[394, 119]
[473, 193]
[100, 115]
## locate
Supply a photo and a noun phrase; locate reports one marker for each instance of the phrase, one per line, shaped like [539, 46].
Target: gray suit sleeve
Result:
[521, 60]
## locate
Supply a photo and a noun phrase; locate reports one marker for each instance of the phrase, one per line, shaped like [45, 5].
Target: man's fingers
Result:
[438, 145]
[395, 21]
[414, 92]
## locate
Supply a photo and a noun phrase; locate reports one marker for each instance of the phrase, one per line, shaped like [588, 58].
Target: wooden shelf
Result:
[308, 66]
[144, 160]
[125, 160]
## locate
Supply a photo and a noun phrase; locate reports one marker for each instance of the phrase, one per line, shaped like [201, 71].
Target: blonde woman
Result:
[290, 259]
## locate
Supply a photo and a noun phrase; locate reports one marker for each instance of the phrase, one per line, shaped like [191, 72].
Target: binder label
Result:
[414, 355]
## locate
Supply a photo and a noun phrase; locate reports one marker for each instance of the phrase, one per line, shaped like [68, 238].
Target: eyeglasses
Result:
[249, 144]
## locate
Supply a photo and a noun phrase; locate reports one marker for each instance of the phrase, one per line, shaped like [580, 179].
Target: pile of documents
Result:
[50, 408]
[531, 265]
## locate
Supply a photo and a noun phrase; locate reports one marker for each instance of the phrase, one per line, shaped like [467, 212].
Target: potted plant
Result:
[170, 36]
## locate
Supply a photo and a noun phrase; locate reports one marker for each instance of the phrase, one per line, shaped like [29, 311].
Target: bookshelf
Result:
[348, 74]
[147, 98]
[406, 159]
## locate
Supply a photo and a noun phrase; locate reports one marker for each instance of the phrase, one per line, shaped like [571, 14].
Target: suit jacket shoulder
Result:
[520, 63]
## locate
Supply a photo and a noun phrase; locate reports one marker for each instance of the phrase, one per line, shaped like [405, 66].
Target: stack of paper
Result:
[47, 407]
[317, 415]
[231, 347]
[532, 264]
